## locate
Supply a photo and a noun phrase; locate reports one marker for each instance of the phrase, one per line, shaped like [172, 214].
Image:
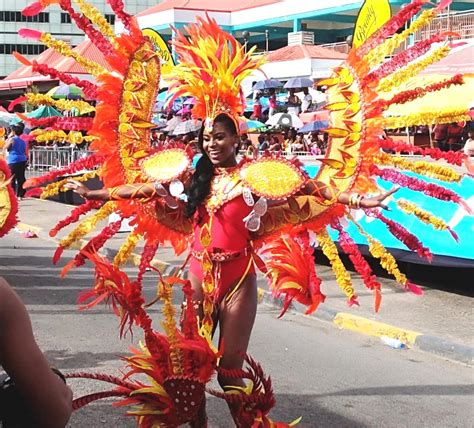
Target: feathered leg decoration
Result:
[291, 269]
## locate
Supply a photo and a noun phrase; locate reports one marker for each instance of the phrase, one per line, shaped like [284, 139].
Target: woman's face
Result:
[219, 145]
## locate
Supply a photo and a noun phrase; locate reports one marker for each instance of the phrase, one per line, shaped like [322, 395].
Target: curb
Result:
[412, 339]
[342, 320]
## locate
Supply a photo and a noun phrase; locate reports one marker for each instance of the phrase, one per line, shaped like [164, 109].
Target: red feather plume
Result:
[291, 267]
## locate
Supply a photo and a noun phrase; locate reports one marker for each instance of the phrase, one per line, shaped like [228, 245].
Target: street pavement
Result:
[444, 316]
[330, 377]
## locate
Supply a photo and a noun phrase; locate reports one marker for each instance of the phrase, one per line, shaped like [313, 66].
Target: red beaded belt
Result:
[221, 255]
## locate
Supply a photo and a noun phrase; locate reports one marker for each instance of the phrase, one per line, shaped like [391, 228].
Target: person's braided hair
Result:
[202, 176]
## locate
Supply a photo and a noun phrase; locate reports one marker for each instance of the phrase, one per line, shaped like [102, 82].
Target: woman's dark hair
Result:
[201, 179]
[17, 130]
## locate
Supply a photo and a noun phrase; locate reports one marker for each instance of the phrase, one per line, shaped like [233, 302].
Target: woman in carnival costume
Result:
[221, 209]
[234, 216]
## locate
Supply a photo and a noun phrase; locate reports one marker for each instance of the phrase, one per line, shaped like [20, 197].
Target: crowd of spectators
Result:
[296, 101]
[288, 141]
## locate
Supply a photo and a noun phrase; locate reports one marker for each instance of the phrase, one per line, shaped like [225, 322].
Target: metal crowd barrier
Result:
[45, 159]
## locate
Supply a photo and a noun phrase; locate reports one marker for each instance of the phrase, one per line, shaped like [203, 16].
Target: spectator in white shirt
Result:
[307, 101]
[469, 145]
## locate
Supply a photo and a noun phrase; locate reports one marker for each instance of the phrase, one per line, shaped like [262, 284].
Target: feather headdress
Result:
[212, 66]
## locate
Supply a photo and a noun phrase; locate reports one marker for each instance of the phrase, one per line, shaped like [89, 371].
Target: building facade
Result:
[267, 23]
[53, 20]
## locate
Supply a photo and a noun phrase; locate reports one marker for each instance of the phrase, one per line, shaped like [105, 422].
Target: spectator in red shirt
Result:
[441, 136]
[455, 132]
[257, 108]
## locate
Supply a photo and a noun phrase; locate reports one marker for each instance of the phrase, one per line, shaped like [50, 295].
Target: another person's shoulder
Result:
[4, 287]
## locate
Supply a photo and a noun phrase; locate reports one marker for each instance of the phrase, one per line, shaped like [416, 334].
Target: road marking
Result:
[23, 227]
[374, 328]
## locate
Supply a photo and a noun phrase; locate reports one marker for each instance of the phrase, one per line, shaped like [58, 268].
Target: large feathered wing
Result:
[123, 93]
[360, 93]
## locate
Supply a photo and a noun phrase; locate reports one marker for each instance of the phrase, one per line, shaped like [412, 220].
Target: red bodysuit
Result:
[229, 237]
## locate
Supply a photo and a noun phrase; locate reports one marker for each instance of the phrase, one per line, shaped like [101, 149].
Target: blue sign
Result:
[438, 241]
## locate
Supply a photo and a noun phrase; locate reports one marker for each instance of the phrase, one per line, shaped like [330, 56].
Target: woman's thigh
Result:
[236, 319]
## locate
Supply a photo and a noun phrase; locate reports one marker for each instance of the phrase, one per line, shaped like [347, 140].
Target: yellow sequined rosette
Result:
[167, 164]
[273, 177]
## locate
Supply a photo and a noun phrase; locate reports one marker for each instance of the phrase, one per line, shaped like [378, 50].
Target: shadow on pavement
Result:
[288, 408]
[72, 361]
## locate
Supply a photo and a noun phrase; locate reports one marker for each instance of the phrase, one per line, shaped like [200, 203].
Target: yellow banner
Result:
[167, 62]
[372, 15]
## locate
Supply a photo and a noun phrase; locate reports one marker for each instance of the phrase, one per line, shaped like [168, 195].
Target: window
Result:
[65, 18]
[43, 17]
[24, 49]
[16, 16]
[110, 18]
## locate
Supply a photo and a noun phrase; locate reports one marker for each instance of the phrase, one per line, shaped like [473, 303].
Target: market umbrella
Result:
[252, 126]
[172, 123]
[43, 111]
[299, 82]
[7, 119]
[459, 60]
[70, 92]
[184, 110]
[159, 121]
[287, 120]
[162, 96]
[317, 125]
[187, 126]
[267, 84]
[161, 102]
[281, 98]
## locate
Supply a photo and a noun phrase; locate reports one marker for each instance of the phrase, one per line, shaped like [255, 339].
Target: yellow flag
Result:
[372, 15]
[167, 62]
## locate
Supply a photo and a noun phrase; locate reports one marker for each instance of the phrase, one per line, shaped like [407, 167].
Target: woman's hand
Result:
[377, 201]
[77, 187]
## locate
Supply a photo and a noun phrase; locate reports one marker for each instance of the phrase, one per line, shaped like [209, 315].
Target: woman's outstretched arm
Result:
[354, 200]
[126, 191]
[44, 392]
